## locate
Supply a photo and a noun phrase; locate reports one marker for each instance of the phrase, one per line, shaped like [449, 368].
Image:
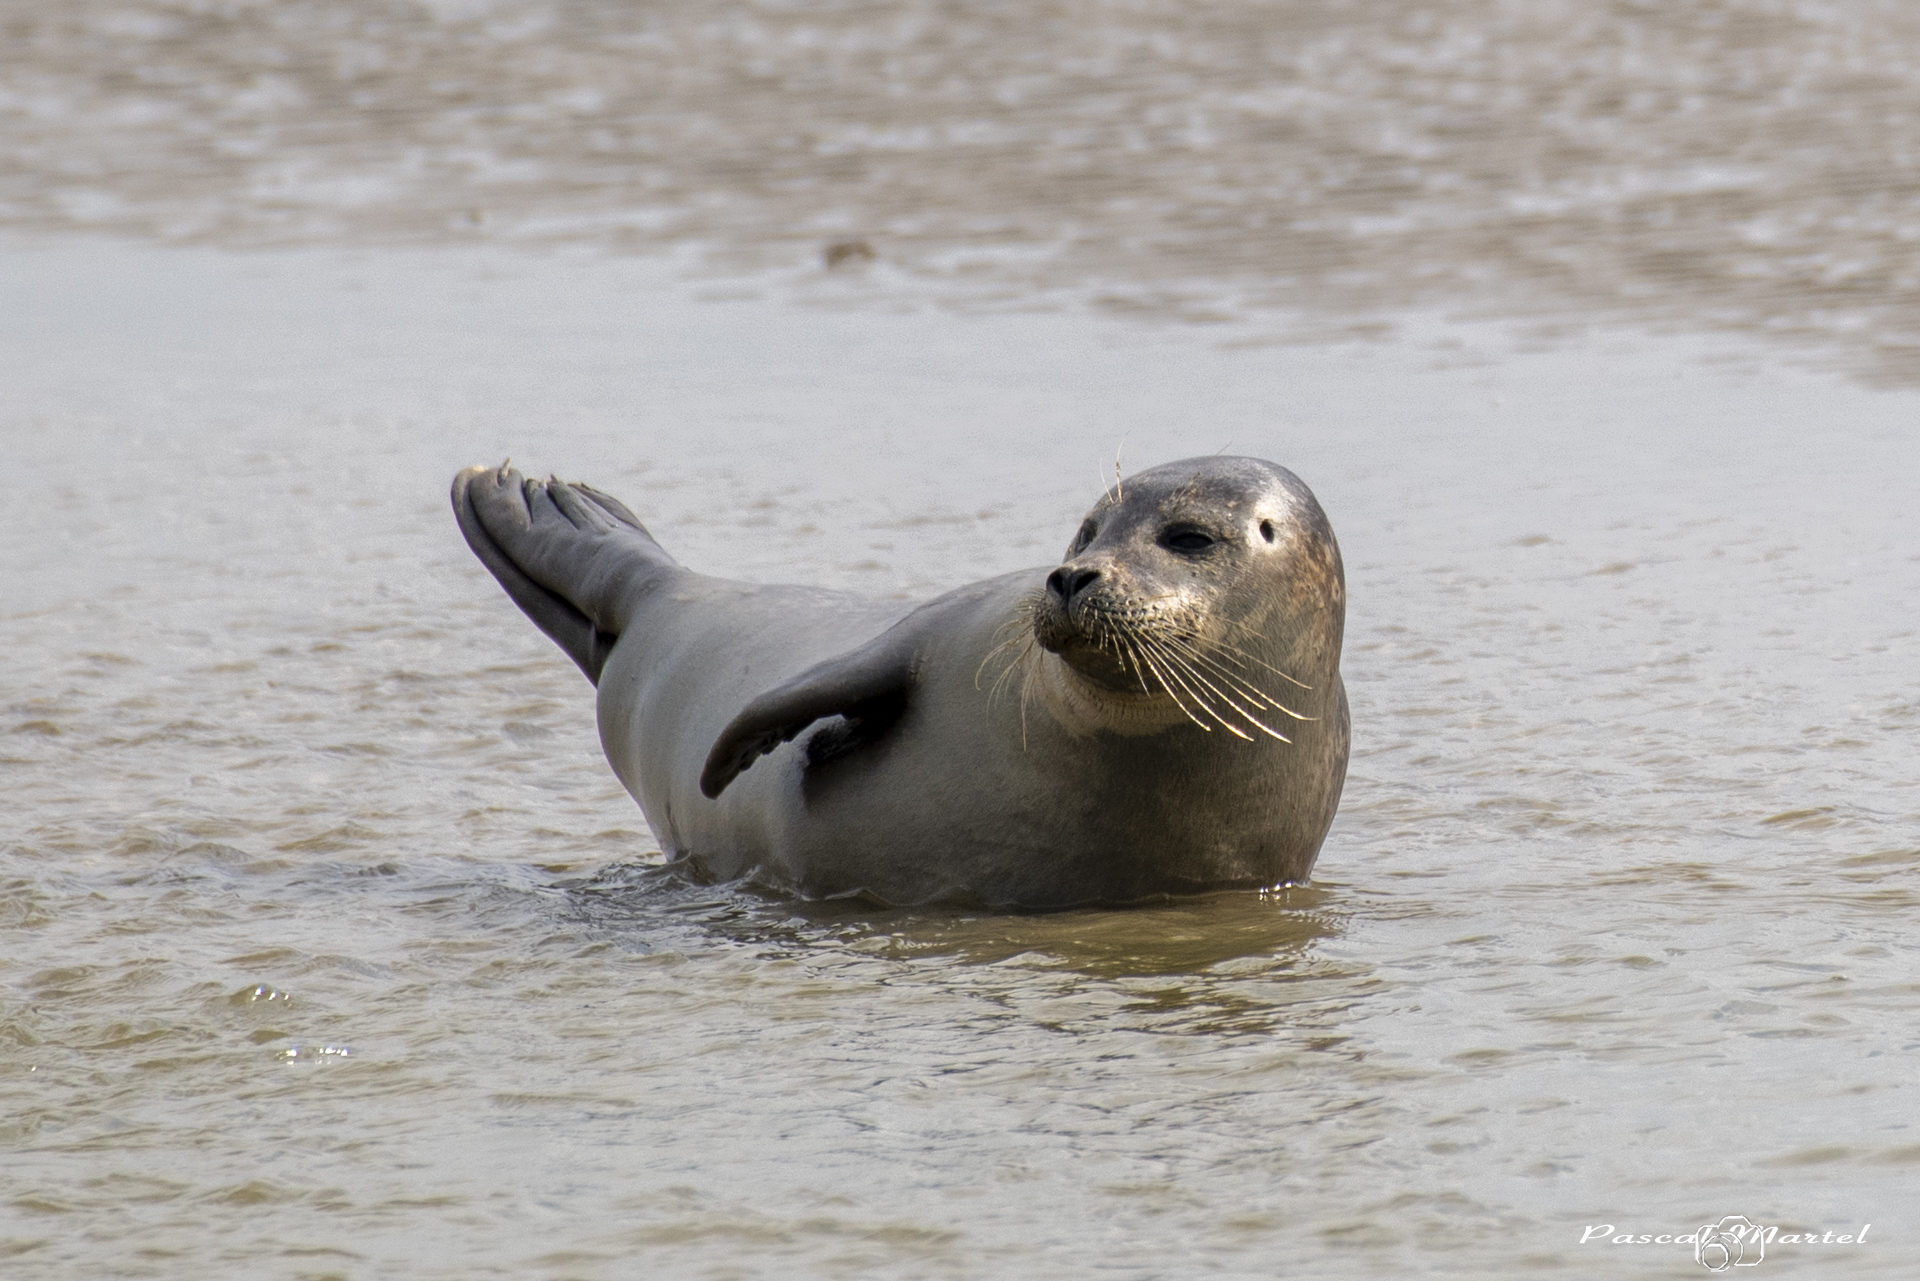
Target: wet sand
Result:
[1744, 164]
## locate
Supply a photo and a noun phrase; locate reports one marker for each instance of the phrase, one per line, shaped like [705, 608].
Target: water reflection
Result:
[1182, 938]
[1226, 965]
[1191, 936]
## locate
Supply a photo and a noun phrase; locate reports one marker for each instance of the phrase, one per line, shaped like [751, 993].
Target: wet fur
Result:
[1181, 729]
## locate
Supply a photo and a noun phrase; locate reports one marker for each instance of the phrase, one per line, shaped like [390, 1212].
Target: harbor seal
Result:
[1162, 713]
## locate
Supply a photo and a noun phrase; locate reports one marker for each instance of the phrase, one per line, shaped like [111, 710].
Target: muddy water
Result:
[333, 947]
[1750, 163]
[329, 946]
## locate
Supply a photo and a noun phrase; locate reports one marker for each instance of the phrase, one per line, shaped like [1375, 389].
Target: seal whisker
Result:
[1242, 656]
[1193, 653]
[1014, 633]
[1172, 664]
[1017, 663]
[1026, 694]
[1227, 698]
[992, 654]
[1244, 687]
[1132, 651]
[1165, 685]
[1016, 638]
[1244, 659]
[1174, 652]
[1125, 645]
[1142, 666]
[1189, 678]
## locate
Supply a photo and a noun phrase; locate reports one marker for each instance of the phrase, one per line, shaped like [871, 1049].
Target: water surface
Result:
[1744, 163]
[330, 947]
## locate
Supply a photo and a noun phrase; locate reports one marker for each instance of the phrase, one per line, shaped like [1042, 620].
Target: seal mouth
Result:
[1160, 649]
[1096, 637]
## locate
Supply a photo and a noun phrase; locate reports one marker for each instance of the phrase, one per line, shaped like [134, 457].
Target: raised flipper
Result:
[572, 558]
[868, 685]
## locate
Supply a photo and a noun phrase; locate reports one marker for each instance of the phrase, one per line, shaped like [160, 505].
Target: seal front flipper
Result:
[868, 686]
[573, 559]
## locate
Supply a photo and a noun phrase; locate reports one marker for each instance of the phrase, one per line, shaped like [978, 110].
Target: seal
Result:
[1162, 713]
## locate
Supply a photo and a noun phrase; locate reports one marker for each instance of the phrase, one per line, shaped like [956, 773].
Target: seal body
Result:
[1160, 714]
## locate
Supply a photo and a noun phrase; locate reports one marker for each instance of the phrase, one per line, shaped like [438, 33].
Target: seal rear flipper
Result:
[868, 686]
[570, 556]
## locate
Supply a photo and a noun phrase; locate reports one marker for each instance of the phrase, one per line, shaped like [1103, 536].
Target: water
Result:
[1743, 163]
[330, 947]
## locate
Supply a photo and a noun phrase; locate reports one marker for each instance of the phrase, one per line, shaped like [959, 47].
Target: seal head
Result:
[1213, 586]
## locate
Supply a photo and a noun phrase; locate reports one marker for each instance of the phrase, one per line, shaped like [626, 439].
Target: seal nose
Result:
[1067, 582]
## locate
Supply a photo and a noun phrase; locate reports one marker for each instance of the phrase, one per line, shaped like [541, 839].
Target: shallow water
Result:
[332, 946]
[329, 946]
[1744, 163]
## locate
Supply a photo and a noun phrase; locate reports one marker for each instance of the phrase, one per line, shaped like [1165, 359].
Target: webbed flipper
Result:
[569, 555]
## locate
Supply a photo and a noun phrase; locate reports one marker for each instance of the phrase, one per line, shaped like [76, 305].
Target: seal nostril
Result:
[1067, 583]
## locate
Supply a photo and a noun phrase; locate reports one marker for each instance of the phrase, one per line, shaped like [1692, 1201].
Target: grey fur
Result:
[1108, 732]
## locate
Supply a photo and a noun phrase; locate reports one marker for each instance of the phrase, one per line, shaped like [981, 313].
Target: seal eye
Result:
[1087, 530]
[1266, 530]
[1186, 539]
